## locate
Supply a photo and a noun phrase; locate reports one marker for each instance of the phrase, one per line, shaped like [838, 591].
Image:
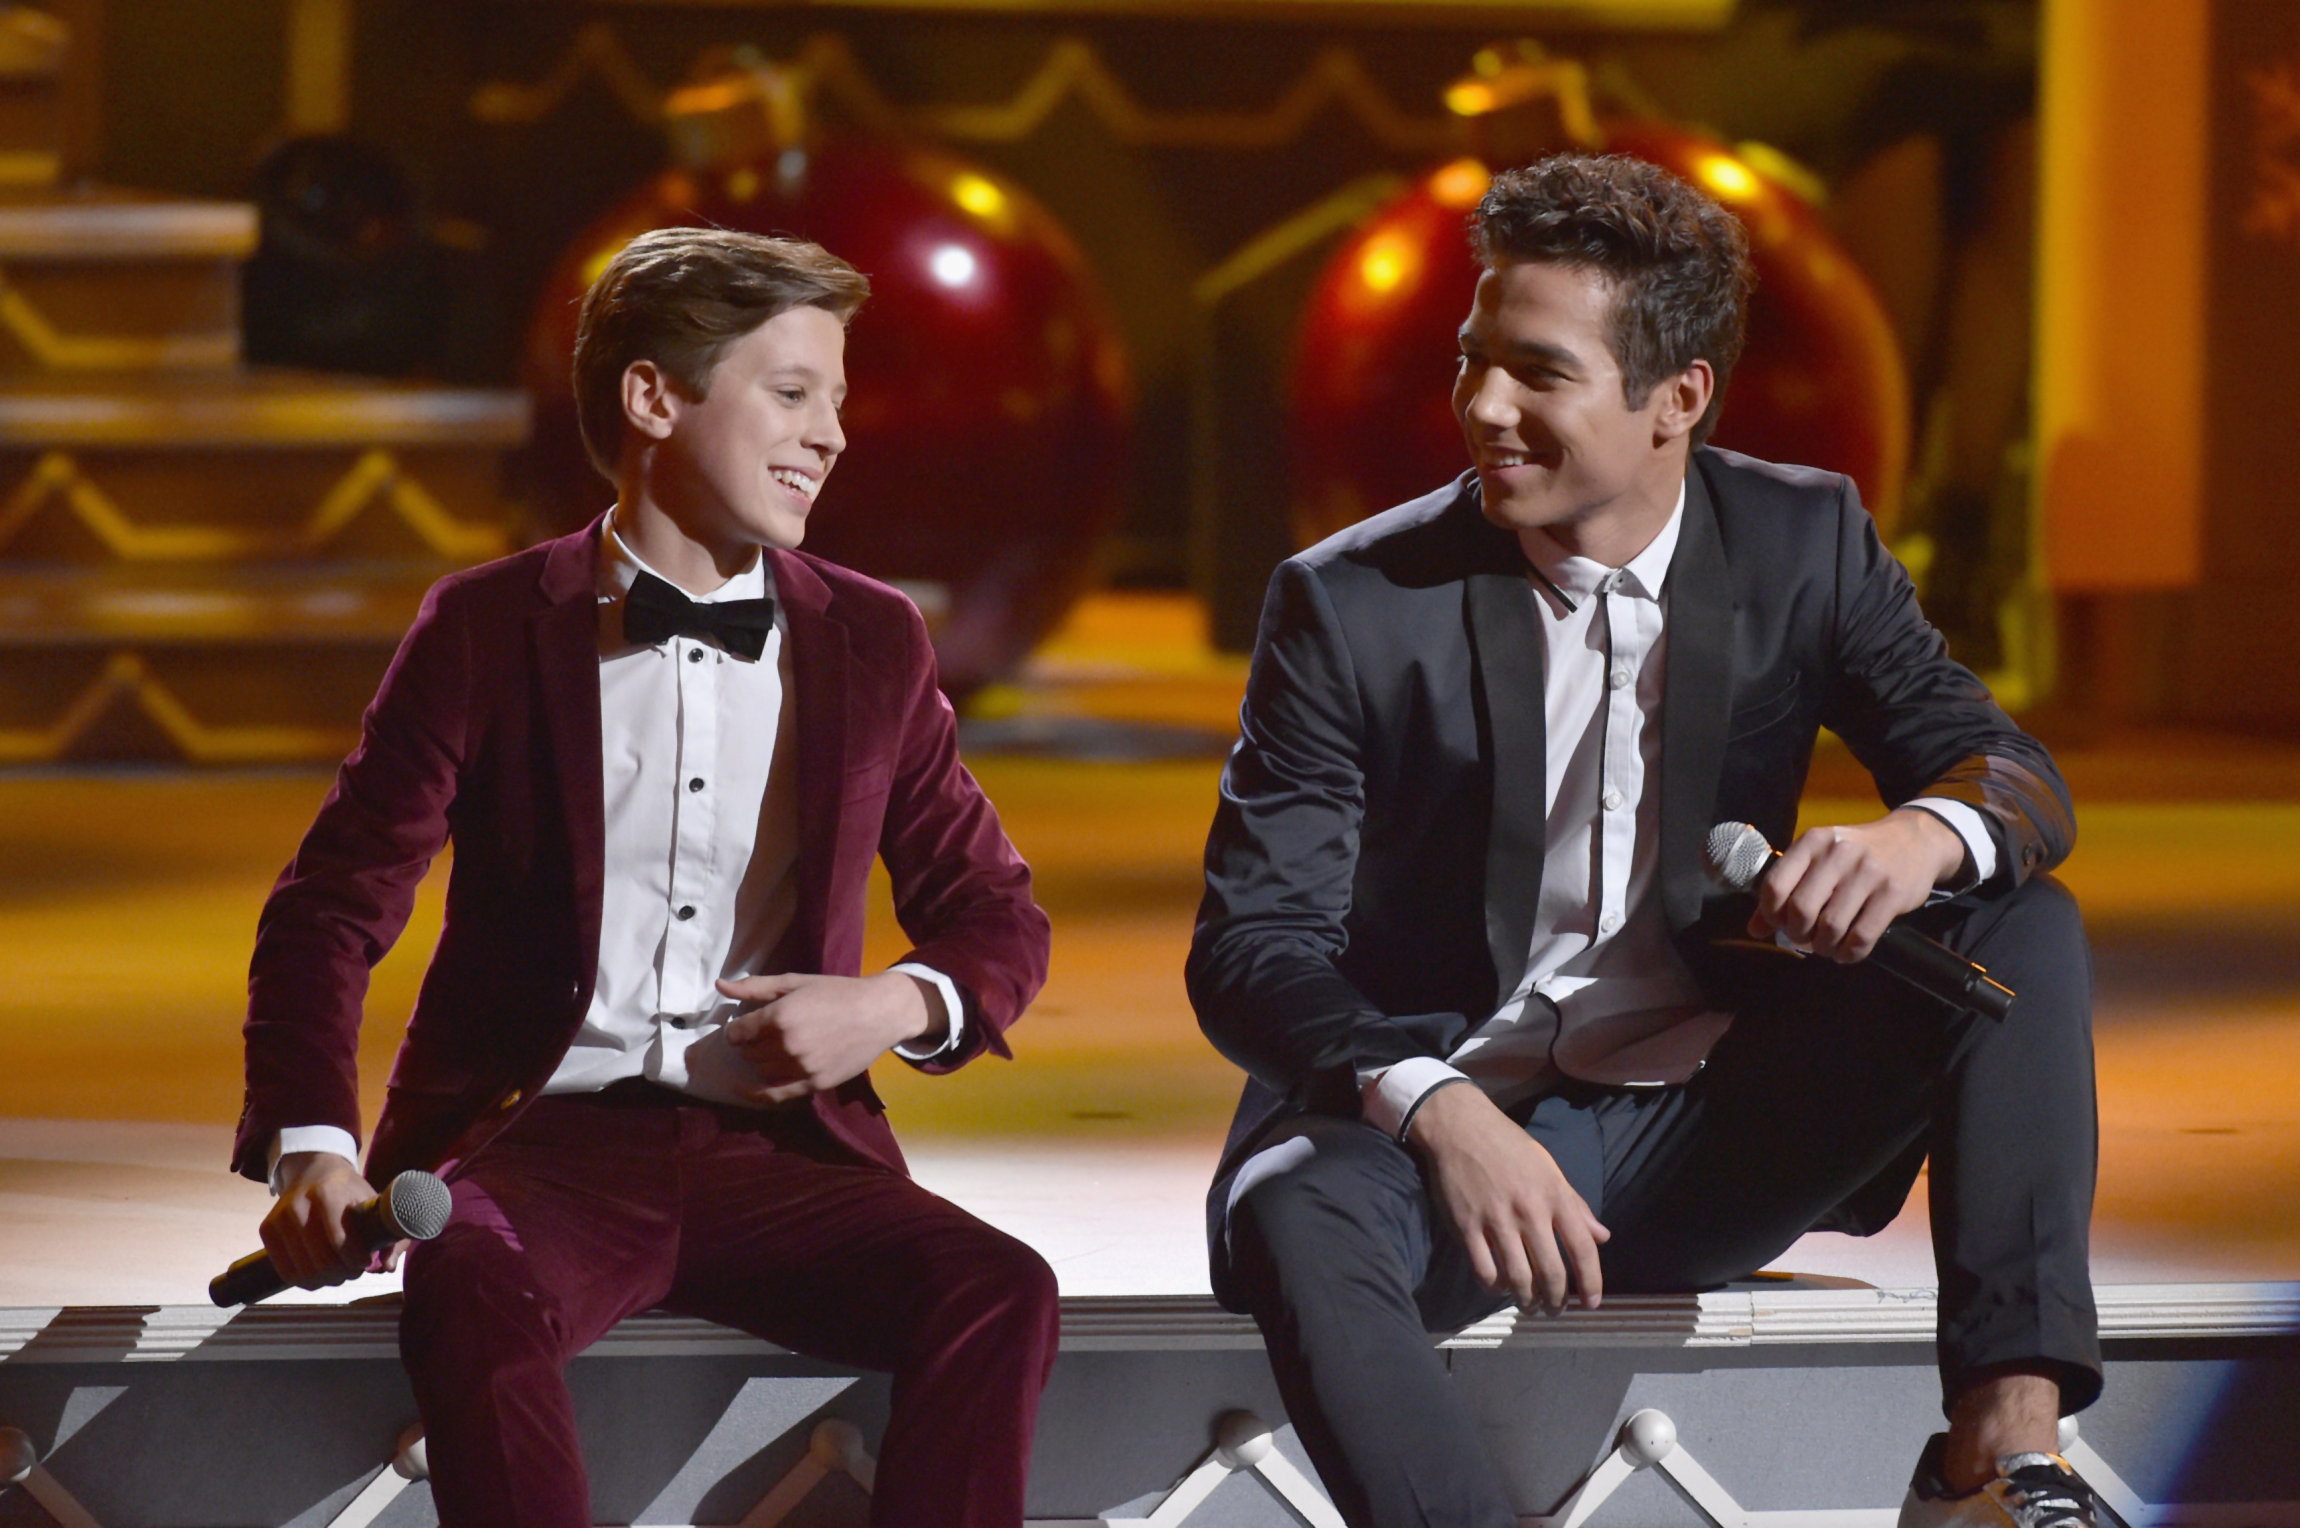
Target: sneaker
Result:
[2030, 1491]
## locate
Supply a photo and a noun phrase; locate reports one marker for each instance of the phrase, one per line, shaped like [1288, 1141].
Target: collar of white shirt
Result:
[1578, 578]
[620, 567]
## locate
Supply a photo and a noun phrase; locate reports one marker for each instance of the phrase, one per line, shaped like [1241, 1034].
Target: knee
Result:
[2047, 911]
[2035, 937]
[1287, 1234]
[464, 1294]
[2037, 919]
[1005, 1280]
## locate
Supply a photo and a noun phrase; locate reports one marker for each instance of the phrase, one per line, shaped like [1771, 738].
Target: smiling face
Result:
[1539, 399]
[740, 467]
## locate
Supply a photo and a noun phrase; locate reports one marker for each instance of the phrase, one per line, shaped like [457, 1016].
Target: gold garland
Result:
[375, 477]
[1072, 69]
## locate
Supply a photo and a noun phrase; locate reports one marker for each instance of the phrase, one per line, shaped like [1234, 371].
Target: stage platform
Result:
[1794, 1401]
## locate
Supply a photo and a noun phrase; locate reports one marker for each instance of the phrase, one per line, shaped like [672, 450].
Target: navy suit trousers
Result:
[1830, 1087]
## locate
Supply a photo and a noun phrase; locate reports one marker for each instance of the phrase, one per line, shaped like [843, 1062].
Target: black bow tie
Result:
[655, 612]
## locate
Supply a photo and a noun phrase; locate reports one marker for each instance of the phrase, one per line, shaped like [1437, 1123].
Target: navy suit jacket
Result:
[1373, 866]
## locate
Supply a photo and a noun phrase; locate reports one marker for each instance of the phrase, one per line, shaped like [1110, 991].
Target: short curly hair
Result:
[679, 297]
[1678, 261]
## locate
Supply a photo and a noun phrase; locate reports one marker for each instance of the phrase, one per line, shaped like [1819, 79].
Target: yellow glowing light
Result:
[978, 195]
[743, 184]
[1388, 260]
[1728, 177]
[1459, 185]
[1469, 98]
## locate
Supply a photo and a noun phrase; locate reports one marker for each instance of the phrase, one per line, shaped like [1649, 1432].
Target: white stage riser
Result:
[1804, 1407]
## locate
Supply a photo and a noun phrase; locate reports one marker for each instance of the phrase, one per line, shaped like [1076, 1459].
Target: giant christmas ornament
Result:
[987, 405]
[1820, 380]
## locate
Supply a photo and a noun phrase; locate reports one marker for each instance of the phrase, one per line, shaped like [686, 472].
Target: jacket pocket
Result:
[418, 1070]
[1762, 711]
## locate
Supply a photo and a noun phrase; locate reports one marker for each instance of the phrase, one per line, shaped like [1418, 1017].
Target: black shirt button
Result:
[686, 912]
[695, 784]
[694, 655]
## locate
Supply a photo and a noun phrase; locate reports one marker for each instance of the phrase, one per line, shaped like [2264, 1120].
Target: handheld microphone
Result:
[413, 1206]
[1739, 857]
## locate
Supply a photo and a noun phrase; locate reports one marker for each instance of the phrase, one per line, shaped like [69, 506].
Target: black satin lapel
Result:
[1696, 700]
[819, 663]
[1506, 645]
[566, 656]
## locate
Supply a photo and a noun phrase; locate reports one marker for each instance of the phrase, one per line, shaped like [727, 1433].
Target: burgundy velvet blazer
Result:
[486, 734]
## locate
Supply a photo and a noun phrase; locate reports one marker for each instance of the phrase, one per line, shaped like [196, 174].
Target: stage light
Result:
[978, 196]
[1727, 177]
[1460, 184]
[1470, 98]
[953, 266]
[1386, 263]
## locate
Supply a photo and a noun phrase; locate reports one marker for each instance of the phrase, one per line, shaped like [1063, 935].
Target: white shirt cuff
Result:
[297, 1138]
[1386, 1095]
[953, 1013]
[1965, 819]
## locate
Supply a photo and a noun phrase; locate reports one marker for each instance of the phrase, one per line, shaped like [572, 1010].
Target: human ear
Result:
[650, 399]
[1682, 400]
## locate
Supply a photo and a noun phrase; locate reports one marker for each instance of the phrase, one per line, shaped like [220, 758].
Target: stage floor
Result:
[129, 901]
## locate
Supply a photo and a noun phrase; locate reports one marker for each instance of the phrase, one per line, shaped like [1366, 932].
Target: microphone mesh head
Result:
[419, 1204]
[1737, 854]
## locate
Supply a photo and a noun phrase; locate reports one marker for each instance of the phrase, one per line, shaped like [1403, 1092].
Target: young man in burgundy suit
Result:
[666, 750]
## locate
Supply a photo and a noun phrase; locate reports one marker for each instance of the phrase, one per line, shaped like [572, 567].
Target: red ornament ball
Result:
[1820, 380]
[988, 404]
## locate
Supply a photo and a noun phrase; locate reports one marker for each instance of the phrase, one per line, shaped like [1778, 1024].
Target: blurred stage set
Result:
[1166, 289]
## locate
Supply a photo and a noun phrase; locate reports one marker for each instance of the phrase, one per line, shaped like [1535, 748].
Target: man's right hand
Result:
[1508, 1201]
[305, 1231]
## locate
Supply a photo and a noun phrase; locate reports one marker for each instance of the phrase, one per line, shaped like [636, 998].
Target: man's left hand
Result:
[1834, 890]
[807, 1034]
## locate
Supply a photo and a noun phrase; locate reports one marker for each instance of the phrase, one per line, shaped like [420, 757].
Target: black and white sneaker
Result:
[2030, 1491]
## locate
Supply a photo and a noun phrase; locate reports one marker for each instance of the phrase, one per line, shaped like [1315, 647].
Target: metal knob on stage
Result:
[988, 411]
[1820, 380]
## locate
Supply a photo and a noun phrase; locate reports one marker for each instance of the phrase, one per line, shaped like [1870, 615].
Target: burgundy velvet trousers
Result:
[593, 1207]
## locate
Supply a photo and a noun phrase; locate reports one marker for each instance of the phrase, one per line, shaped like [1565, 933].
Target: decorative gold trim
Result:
[30, 167]
[40, 339]
[1612, 15]
[319, 47]
[259, 410]
[127, 676]
[376, 475]
[595, 51]
[1294, 235]
[112, 226]
[1072, 68]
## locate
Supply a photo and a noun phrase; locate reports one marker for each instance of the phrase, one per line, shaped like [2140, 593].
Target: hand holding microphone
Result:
[1843, 897]
[300, 1232]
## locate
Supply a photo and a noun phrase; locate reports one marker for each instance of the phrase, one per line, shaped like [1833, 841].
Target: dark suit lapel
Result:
[1506, 647]
[820, 660]
[564, 643]
[1696, 700]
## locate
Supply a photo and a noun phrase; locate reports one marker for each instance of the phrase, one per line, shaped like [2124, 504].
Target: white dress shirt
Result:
[1605, 996]
[699, 764]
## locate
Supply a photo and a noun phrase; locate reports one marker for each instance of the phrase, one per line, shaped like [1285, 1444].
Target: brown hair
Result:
[1679, 262]
[679, 297]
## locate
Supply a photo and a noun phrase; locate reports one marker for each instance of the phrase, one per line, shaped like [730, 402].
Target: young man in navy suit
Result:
[666, 750]
[1505, 1040]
